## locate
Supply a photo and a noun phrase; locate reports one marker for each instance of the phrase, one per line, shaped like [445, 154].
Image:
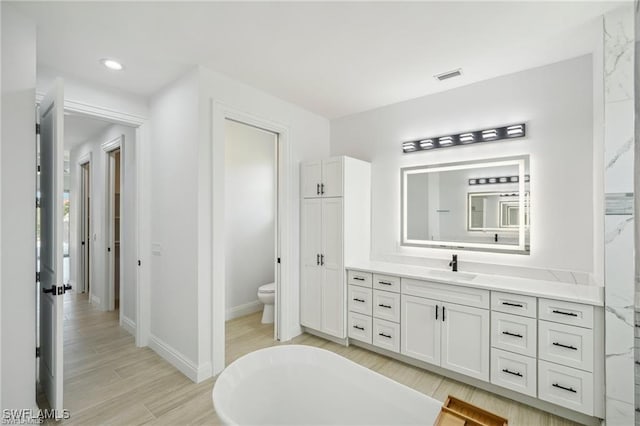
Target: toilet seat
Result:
[267, 288]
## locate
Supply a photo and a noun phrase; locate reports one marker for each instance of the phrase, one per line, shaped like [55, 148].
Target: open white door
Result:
[51, 225]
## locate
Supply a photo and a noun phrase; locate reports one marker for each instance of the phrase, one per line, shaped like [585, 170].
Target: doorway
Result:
[251, 224]
[85, 227]
[113, 214]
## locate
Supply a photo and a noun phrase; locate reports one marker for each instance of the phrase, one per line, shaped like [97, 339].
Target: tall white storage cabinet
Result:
[335, 229]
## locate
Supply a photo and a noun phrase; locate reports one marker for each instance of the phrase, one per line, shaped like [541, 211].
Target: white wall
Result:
[17, 327]
[174, 220]
[250, 164]
[556, 103]
[98, 216]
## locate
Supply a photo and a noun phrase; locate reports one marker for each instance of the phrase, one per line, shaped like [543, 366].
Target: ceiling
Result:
[333, 58]
[80, 128]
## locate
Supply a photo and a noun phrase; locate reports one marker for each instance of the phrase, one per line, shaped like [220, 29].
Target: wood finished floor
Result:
[108, 380]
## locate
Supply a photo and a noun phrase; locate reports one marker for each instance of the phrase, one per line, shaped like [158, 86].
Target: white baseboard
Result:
[242, 310]
[179, 361]
[129, 325]
[95, 300]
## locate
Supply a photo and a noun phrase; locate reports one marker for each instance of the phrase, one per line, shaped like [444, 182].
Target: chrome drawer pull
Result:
[359, 300]
[358, 278]
[358, 327]
[517, 305]
[384, 306]
[573, 348]
[555, 385]
[571, 314]
[384, 335]
[515, 373]
[508, 333]
[384, 283]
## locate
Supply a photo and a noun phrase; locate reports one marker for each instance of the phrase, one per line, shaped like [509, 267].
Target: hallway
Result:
[109, 380]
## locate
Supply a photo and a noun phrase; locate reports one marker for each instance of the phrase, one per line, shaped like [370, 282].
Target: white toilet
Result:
[267, 295]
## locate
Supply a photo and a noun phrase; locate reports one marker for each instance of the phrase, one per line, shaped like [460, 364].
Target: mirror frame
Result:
[522, 161]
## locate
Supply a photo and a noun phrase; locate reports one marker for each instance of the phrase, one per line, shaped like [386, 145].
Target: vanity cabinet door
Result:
[311, 274]
[310, 179]
[465, 340]
[420, 328]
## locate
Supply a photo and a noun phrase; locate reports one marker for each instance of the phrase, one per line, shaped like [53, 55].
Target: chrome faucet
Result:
[454, 263]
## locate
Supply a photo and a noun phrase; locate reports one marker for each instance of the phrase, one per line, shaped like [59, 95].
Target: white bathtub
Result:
[304, 385]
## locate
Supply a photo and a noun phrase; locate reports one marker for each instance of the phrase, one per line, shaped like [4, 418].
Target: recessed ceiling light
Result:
[112, 64]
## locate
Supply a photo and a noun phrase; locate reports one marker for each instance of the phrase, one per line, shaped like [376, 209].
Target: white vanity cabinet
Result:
[449, 335]
[334, 228]
[541, 347]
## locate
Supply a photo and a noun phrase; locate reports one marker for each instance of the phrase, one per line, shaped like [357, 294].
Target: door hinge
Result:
[37, 128]
[37, 277]
[37, 351]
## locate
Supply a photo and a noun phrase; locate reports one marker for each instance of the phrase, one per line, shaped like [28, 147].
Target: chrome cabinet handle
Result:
[508, 333]
[573, 348]
[515, 373]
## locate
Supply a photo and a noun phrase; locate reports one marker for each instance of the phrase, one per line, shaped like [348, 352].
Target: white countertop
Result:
[579, 293]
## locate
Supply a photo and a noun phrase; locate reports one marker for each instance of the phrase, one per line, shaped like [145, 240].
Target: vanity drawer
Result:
[514, 333]
[566, 312]
[386, 335]
[566, 345]
[514, 304]
[446, 292]
[359, 278]
[566, 387]
[360, 299]
[360, 327]
[386, 283]
[386, 305]
[513, 371]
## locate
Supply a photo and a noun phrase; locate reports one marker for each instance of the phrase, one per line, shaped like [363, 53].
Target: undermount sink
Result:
[450, 275]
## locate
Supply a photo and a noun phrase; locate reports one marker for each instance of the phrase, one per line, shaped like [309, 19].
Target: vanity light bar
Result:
[486, 135]
[498, 179]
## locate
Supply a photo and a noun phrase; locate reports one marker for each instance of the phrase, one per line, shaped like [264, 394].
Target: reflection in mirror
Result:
[496, 211]
[472, 205]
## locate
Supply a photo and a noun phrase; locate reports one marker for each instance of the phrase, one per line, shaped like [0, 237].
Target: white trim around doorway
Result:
[81, 284]
[286, 294]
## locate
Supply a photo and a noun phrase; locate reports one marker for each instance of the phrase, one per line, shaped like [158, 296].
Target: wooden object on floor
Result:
[456, 412]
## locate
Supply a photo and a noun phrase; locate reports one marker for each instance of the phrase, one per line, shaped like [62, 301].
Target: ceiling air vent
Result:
[449, 74]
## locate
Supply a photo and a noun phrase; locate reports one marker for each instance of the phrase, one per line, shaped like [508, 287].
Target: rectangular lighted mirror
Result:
[470, 205]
